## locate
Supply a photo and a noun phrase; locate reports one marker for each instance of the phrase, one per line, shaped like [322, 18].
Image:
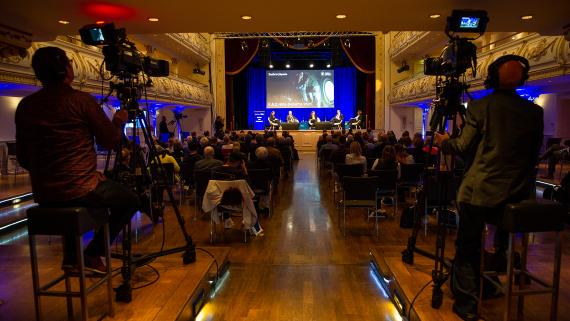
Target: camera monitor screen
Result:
[300, 88]
[469, 23]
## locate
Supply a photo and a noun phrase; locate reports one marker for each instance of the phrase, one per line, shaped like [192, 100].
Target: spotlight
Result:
[246, 17]
[434, 16]
[328, 65]
[310, 43]
[198, 71]
[152, 19]
[311, 65]
[404, 67]
[64, 22]
[341, 16]
[243, 45]
[265, 43]
[347, 42]
[287, 66]
[526, 17]
[270, 66]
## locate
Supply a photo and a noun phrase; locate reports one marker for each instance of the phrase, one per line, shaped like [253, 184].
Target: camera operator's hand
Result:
[439, 138]
[120, 118]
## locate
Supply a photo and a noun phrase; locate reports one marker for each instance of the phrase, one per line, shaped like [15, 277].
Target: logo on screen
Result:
[469, 22]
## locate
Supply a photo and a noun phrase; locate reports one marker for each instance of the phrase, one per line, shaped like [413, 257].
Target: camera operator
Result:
[501, 141]
[56, 129]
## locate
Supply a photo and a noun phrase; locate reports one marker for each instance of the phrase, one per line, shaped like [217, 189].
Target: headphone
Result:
[492, 80]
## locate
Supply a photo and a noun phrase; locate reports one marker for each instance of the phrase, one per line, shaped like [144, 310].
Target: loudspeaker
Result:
[492, 80]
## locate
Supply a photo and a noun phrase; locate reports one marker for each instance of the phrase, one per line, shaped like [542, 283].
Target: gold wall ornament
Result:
[549, 57]
[87, 64]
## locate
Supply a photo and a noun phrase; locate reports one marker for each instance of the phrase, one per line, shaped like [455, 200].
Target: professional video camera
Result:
[121, 56]
[460, 54]
[449, 68]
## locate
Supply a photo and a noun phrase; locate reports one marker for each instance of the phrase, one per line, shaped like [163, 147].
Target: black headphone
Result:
[492, 80]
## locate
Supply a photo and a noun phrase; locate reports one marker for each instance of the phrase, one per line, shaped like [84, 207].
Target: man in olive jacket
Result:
[501, 141]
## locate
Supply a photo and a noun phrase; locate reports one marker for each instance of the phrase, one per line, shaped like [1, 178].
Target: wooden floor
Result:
[12, 185]
[301, 269]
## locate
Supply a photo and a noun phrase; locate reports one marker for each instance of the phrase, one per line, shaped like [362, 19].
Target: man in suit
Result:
[356, 122]
[291, 119]
[501, 170]
[208, 162]
[337, 120]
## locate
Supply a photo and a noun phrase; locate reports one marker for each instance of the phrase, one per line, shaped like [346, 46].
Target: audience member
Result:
[355, 156]
[208, 162]
[387, 161]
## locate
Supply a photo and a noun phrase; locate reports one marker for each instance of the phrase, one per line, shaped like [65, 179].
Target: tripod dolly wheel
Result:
[124, 293]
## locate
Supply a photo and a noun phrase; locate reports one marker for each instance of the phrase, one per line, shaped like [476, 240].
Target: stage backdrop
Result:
[256, 99]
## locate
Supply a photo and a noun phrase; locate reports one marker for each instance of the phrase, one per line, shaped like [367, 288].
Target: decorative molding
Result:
[548, 57]
[403, 40]
[180, 45]
[87, 62]
[13, 42]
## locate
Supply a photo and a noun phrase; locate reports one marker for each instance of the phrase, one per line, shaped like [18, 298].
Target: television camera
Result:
[133, 69]
[450, 67]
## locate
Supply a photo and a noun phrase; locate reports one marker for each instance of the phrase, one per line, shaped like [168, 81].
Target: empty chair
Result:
[387, 185]
[359, 192]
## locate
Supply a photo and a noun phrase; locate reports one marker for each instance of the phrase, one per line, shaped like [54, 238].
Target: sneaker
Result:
[228, 223]
[256, 229]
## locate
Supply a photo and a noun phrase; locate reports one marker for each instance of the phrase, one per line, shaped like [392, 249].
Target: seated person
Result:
[327, 146]
[387, 161]
[166, 158]
[356, 122]
[261, 162]
[355, 156]
[235, 167]
[63, 163]
[402, 156]
[337, 119]
[291, 119]
[274, 122]
[313, 119]
[208, 162]
[554, 154]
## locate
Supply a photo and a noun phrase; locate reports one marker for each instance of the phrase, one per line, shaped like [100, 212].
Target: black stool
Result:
[528, 217]
[71, 221]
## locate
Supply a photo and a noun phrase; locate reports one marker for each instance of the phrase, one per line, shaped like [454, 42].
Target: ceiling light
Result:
[434, 16]
[328, 65]
[526, 17]
[340, 16]
[246, 17]
[64, 22]
[311, 66]
[100, 22]
[270, 66]
[153, 19]
[287, 66]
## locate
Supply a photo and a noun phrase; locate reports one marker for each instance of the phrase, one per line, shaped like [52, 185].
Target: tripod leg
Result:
[124, 291]
[408, 253]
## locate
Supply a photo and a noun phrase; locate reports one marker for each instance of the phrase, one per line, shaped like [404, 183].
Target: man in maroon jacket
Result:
[56, 131]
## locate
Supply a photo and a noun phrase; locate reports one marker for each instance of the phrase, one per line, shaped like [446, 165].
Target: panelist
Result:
[337, 120]
[356, 122]
[274, 122]
[291, 119]
[313, 119]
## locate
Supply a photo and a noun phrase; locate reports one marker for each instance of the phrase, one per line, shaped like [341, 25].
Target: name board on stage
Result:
[259, 119]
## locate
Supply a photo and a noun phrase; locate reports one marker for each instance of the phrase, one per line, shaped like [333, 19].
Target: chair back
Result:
[387, 179]
[360, 188]
[201, 179]
[411, 173]
[259, 180]
[326, 155]
[11, 148]
[221, 176]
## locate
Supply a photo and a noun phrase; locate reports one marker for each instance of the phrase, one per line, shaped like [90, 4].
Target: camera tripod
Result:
[447, 107]
[128, 97]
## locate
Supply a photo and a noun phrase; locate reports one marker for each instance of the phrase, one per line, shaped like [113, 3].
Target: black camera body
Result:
[460, 53]
[121, 56]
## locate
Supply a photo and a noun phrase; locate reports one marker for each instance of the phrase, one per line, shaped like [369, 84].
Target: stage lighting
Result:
[311, 65]
[347, 42]
[287, 66]
[328, 65]
[243, 45]
[270, 66]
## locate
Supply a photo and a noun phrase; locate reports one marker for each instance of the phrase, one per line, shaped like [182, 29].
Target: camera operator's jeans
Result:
[465, 278]
[121, 201]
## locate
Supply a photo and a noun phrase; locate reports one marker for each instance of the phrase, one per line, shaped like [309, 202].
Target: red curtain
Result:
[361, 52]
[239, 53]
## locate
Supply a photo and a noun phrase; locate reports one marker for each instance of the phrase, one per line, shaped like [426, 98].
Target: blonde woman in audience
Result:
[355, 155]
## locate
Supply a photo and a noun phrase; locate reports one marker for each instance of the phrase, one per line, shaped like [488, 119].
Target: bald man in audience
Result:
[501, 141]
[208, 162]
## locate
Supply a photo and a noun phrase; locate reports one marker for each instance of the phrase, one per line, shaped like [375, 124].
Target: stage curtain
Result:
[237, 56]
[361, 52]
[256, 97]
[344, 92]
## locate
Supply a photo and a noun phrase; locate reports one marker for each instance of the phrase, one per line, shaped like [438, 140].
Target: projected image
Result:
[300, 88]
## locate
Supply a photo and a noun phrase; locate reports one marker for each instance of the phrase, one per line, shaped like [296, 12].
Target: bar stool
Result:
[528, 217]
[70, 221]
